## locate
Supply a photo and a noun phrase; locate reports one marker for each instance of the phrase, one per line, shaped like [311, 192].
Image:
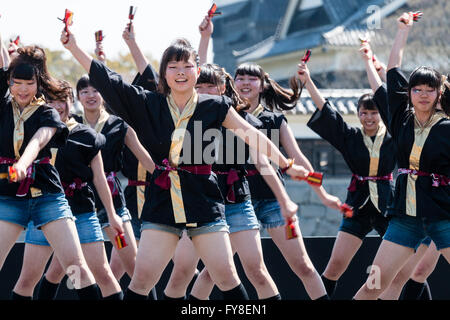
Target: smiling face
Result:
[181, 76]
[370, 119]
[22, 90]
[62, 107]
[90, 98]
[248, 87]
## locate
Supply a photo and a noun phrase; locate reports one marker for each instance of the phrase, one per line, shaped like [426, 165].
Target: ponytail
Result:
[445, 96]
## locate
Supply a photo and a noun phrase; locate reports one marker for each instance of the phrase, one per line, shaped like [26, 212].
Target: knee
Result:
[225, 277]
[335, 268]
[103, 274]
[257, 274]
[304, 268]
[28, 281]
[421, 273]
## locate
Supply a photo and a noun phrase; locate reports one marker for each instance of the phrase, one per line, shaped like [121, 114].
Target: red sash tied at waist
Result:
[110, 178]
[360, 179]
[138, 183]
[232, 177]
[163, 179]
[77, 184]
[26, 183]
[438, 179]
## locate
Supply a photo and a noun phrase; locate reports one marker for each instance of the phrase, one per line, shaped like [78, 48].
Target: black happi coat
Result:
[46, 176]
[114, 131]
[233, 157]
[270, 126]
[73, 161]
[148, 113]
[432, 203]
[330, 125]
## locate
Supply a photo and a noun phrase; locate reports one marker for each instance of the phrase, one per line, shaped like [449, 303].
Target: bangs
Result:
[367, 102]
[179, 53]
[250, 69]
[84, 82]
[24, 71]
[208, 75]
[425, 76]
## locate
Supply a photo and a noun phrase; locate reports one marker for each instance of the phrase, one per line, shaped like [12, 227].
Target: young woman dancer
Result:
[368, 153]
[29, 129]
[180, 277]
[79, 163]
[239, 213]
[426, 255]
[254, 85]
[183, 182]
[421, 204]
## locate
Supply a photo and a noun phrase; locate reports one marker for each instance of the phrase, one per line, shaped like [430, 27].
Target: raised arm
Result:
[367, 55]
[206, 29]
[133, 143]
[305, 78]
[101, 185]
[404, 24]
[130, 39]
[125, 100]
[258, 141]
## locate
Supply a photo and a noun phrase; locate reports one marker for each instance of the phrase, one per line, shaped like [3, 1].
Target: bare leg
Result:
[294, 252]
[389, 259]
[63, 237]
[9, 233]
[35, 259]
[151, 259]
[185, 263]
[249, 248]
[395, 289]
[345, 247]
[127, 254]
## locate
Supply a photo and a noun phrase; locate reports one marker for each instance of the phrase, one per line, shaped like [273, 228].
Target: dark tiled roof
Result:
[343, 100]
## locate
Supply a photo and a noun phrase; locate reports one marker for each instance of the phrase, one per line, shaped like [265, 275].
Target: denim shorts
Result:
[241, 216]
[202, 228]
[411, 232]
[103, 216]
[367, 219]
[136, 225]
[41, 210]
[88, 229]
[268, 213]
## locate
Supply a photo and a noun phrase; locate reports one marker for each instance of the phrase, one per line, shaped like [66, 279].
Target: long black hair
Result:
[214, 74]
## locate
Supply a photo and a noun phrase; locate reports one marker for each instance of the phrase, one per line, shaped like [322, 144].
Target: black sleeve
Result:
[148, 80]
[50, 118]
[224, 106]
[330, 125]
[397, 96]
[124, 99]
[3, 83]
[98, 141]
[381, 100]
